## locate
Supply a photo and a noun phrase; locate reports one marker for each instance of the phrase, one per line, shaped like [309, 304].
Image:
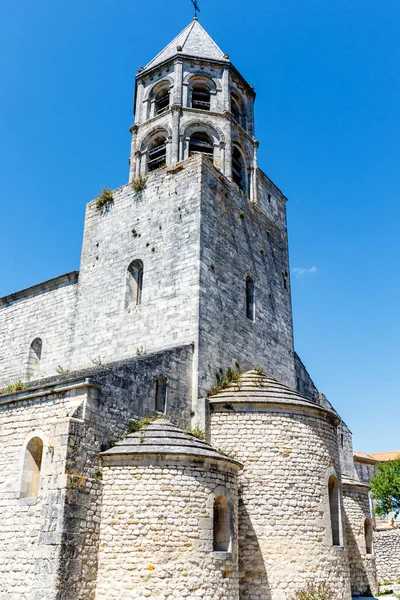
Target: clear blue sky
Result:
[327, 77]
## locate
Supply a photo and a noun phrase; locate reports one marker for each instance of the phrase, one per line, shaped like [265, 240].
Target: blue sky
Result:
[327, 79]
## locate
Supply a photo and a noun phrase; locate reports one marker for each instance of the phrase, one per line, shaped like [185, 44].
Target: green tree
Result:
[385, 487]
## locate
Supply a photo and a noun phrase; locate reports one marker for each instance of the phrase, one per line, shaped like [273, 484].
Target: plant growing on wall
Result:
[385, 487]
[105, 199]
[314, 592]
[17, 386]
[139, 183]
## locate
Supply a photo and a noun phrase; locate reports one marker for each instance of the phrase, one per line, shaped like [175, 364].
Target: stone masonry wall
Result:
[47, 315]
[62, 525]
[31, 528]
[387, 553]
[239, 240]
[159, 226]
[284, 522]
[156, 531]
[362, 565]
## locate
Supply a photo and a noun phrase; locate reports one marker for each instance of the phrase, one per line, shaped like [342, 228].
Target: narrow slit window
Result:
[161, 394]
[34, 357]
[368, 536]
[201, 97]
[250, 299]
[222, 538]
[134, 284]
[334, 507]
[31, 470]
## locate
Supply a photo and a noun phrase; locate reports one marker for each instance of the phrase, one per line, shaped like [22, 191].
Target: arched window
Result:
[222, 525]
[201, 143]
[239, 172]
[162, 101]
[250, 300]
[201, 96]
[334, 508]
[32, 464]
[34, 356]
[157, 153]
[161, 393]
[238, 110]
[134, 284]
[368, 536]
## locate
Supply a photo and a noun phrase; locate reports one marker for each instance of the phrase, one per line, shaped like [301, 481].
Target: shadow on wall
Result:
[362, 571]
[252, 574]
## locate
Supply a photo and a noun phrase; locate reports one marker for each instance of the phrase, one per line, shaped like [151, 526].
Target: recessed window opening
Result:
[201, 143]
[222, 525]
[334, 507]
[32, 464]
[34, 356]
[134, 284]
[201, 96]
[250, 299]
[161, 394]
[162, 101]
[238, 169]
[368, 536]
[342, 440]
[157, 153]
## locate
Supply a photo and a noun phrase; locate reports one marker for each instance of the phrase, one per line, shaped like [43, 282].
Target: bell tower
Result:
[191, 100]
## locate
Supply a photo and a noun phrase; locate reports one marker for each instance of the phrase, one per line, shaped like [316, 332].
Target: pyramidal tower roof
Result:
[192, 41]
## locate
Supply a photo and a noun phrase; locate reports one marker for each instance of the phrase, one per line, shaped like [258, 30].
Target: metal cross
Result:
[196, 8]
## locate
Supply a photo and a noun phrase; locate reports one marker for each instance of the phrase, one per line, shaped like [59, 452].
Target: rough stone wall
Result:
[31, 528]
[46, 315]
[62, 525]
[284, 524]
[364, 470]
[156, 531]
[304, 384]
[239, 240]
[362, 565]
[165, 218]
[387, 554]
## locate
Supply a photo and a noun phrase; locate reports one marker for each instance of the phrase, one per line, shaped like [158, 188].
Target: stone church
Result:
[160, 438]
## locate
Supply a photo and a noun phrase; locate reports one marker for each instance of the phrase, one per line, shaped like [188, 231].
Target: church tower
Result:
[195, 244]
[191, 100]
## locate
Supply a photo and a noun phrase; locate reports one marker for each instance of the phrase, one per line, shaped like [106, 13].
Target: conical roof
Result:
[253, 386]
[161, 437]
[192, 41]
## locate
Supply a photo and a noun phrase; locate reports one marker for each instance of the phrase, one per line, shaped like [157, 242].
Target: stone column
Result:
[132, 160]
[176, 118]
[139, 102]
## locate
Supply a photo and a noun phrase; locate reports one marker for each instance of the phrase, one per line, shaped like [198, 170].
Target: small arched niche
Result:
[201, 96]
[368, 535]
[161, 394]
[31, 468]
[222, 534]
[157, 151]
[134, 284]
[34, 357]
[201, 143]
[334, 509]
[239, 169]
[250, 299]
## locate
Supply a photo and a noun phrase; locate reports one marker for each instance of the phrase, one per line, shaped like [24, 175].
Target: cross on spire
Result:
[196, 8]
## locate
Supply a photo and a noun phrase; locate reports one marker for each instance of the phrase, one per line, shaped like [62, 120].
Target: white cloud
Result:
[299, 272]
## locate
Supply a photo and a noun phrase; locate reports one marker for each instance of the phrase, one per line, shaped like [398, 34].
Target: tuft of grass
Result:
[241, 214]
[197, 433]
[262, 250]
[17, 386]
[314, 592]
[98, 474]
[223, 380]
[139, 183]
[138, 424]
[228, 453]
[105, 199]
